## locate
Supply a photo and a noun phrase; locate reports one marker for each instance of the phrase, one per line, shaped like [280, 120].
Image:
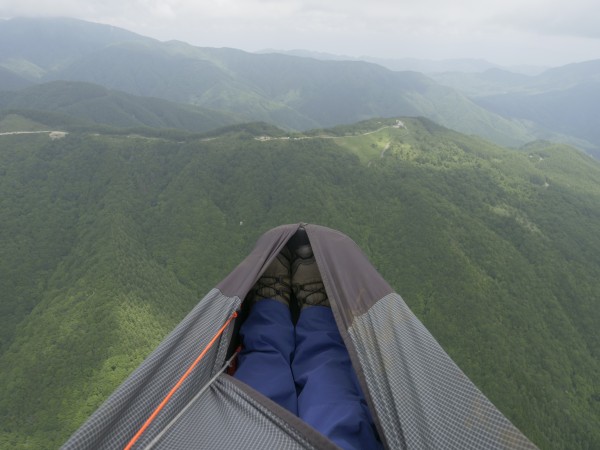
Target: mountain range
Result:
[95, 104]
[291, 92]
[131, 183]
[564, 99]
[425, 66]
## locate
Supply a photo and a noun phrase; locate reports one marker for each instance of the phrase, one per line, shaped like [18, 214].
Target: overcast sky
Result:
[507, 32]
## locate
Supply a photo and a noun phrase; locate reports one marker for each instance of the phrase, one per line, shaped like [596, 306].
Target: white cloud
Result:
[393, 28]
[575, 18]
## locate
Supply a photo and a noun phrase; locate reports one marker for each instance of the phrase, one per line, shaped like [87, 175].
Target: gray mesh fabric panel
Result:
[119, 418]
[422, 399]
[227, 417]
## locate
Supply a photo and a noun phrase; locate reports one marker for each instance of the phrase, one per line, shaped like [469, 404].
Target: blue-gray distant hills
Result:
[288, 91]
[565, 99]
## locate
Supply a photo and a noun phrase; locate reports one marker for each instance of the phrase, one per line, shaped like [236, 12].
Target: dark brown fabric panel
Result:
[353, 287]
[239, 282]
[352, 283]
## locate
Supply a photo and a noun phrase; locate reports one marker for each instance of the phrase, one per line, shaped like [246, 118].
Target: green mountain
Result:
[564, 99]
[96, 104]
[570, 75]
[490, 82]
[425, 66]
[497, 81]
[33, 47]
[11, 81]
[291, 92]
[572, 111]
[106, 242]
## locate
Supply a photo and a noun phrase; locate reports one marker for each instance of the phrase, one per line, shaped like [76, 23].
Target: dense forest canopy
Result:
[135, 174]
[108, 239]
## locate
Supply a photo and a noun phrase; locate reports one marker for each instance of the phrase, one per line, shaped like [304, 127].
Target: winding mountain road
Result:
[53, 134]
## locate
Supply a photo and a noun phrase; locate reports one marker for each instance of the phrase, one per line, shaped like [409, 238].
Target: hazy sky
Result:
[507, 32]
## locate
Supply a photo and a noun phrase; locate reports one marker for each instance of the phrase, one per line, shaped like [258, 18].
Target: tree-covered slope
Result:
[107, 241]
[11, 81]
[32, 47]
[563, 100]
[97, 104]
[291, 92]
[572, 111]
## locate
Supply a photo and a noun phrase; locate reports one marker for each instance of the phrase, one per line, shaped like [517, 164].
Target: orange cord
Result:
[179, 383]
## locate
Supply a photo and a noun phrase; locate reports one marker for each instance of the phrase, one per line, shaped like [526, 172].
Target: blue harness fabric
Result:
[307, 370]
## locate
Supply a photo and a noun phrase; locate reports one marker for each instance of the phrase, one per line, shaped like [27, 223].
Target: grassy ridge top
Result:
[107, 241]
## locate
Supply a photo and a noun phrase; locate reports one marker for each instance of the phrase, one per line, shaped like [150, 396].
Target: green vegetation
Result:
[290, 92]
[9, 80]
[564, 101]
[93, 104]
[11, 121]
[110, 234]
[106, 241]
[572, 111]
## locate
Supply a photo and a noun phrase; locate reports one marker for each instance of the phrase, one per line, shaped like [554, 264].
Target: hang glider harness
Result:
[174, 389]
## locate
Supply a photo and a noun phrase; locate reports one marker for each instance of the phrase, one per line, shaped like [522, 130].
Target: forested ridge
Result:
[292, 92]
[107, 239]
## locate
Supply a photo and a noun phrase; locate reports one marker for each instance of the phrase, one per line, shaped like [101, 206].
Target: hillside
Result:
[11, 81]
[572, 111]
[563, 100]
[96, 104]
[33, 47]
[291, 92]
[426, 66]
[107, 241]
[497, 81]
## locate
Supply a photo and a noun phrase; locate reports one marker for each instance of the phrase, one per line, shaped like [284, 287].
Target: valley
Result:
[135, 174]
[108, 240]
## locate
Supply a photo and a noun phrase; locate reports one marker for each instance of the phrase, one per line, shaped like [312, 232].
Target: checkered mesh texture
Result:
[125, 411]
[422, 399]
[227, 417]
